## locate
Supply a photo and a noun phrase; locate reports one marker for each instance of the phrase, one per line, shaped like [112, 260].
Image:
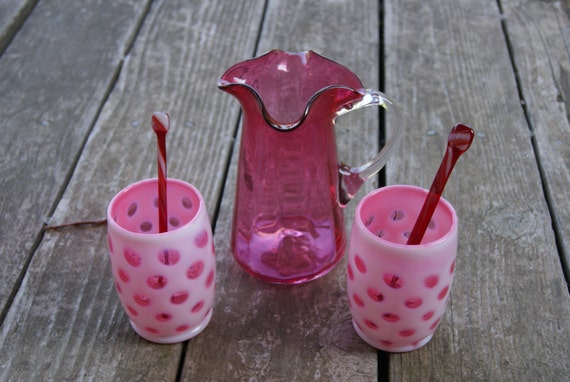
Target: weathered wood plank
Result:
[12, 15]
[540, 32]
[53, 76]
[299, 333]
[173, 66]
[509, 314]
[66, 322]
[66, 325]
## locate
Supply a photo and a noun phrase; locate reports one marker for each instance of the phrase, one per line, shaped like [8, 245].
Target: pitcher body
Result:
[287, 224]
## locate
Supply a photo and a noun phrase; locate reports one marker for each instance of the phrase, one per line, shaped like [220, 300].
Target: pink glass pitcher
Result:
[288, 224]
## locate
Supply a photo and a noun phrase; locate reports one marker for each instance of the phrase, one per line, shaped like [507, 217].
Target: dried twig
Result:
[94, 223]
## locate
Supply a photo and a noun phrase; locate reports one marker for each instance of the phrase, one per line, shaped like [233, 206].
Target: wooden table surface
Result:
[79, 81]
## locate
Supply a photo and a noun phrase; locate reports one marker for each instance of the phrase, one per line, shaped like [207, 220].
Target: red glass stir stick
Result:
[160, 125]
[458, 142]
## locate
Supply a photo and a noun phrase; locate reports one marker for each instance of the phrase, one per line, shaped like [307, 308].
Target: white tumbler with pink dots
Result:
[165, 280]
[397, 292]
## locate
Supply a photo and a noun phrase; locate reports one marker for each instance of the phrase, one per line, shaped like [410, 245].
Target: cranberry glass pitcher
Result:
[288, 224]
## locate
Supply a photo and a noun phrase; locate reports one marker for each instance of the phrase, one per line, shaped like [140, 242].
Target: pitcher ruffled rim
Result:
[306, 57]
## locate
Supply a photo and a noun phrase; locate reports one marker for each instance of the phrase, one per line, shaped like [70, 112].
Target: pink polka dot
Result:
[393, 281]
[407, 333]
[110, 244]
[350, 273]
[145, 226]
[370, 324]
[179, 297]
[174, 221]
[195, 270]
[124, 276]
[397, 215]
[182, 328]
[431, 281]
[187, 202]
[386, 343]
[169, 256]
[413, 302]
[118, 287]
[428, 315]
[391, 317]
[132, 209]
[201, 239]
[357, 300]
[196, 308]
[359, 264]
[132, 257]
[375, 294]
[132, 310]
[434, 325]
[156, 281]
[452, 268]
[210, 279]
[142, 300]
[151, 330]
[163, 317]
[443, 293]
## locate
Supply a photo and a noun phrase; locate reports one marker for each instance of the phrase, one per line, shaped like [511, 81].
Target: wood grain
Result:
[539, 32]
[12, 16]
[53, 77]
[66, 323]
[509, 313]
[80, 80]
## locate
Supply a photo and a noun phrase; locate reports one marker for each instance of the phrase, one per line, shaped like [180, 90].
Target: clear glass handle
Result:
[351, 178]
